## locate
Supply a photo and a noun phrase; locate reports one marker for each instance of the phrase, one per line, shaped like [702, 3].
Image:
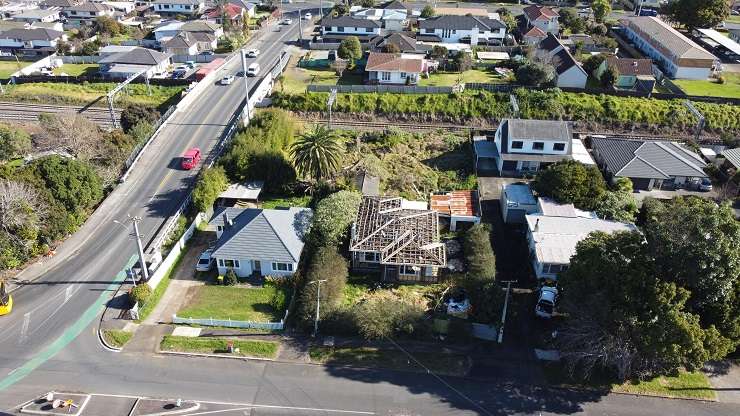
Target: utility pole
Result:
[300, 27]
[318, 305]
[246, 86]
[139, 247]
[330, 102]
[503, 315]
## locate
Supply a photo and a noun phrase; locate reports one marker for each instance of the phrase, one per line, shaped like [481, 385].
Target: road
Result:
[50, 341]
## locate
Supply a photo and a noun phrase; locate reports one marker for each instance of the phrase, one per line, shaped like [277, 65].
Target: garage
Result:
[642, 184]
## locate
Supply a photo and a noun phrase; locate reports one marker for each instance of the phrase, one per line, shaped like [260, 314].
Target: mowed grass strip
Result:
[75, 70]
[252, 348]
[82, 94]
[117, 338]
[712, 88]
[438, 363]
[693, 385]
[235, 303]
[8, 68]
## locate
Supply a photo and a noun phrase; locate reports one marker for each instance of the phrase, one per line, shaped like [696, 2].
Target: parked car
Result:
[546, 303]
[705, 185]
[227, 80]
[205, 261]
[253, 53]
[191, 158]
[253, 70]
[307, 16]
[286, 22]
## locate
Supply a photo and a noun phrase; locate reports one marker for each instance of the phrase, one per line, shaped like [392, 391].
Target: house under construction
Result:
[399, 238]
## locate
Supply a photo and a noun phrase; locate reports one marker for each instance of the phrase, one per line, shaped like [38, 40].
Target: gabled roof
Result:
[461, 23]
[89, 7]
[58, 3]
[182, 40]
[404, 43]
[535, 32]
[349, 21]
[35, 14]
[231, 10]
[200, 26]
[137, 56]
[563, 61]
[395, 5]
[378, 61]
[546, 130]
[539, 13]
[627, 66]
[667, 37]
[732, 156]
[31, 34]
[648, 159]
[550, 43]
[262, 234]
[191, 2]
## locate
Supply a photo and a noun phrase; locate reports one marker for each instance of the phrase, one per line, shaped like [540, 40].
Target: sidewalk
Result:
[724, 376]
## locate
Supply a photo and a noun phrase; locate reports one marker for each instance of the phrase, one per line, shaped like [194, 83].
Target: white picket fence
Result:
[228, 323]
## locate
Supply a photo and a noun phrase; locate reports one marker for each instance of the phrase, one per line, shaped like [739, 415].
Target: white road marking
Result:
[24, 328]
[68, 293]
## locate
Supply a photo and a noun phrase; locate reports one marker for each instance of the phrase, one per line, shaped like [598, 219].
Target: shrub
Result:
[479, 253]
[230, 278]
[72, 183]
[326, 264]
[14, 142]
[386, 316]
[571, 182]
[535, 73]
[134, 114]
[211, 183]
[333, 217]
[140, 294]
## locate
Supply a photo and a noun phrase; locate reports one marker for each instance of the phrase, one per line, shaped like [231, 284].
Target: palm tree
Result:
[317, 153]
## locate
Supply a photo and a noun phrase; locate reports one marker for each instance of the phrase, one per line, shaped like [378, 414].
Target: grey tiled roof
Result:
[519, 129]
[461, 23]
[138, 56]
[663, 34]
[563, 61]
[648, 159]
[349, 21]
[263, 234]
[31, 34]
[733, 156]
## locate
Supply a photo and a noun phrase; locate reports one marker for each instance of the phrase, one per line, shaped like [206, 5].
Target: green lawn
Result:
[76, 70]
[296, 79]
[8, 68]
[692, 385]
[82, 94]
[731, 87]
[439, 79]
[272, 202]
[439, 363]
[116, 337]
[254, 348]
[235, 303]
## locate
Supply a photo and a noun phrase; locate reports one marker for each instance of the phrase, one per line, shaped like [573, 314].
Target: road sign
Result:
[332, 97]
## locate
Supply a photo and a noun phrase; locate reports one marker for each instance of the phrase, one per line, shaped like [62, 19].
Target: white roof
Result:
[551, 208]
[519, 194]
[580, 154]
[126, 68]
[494, 56]
[555, 238]
[707, 152]
[105, 50]
[247, 190]
[723, 40]
[169, 26]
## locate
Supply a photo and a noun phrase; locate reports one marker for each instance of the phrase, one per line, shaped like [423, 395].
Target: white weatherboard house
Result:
[517, 201]
[175, 7]
[394, 68]
[267, 242]
[554, 232]
[569, 72]
[474, 30]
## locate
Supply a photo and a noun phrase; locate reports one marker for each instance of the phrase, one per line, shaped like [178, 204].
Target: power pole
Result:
[318, 305]
[330, 102]
[300, 27]
[139, 246]
[503, 315]
[246, 86]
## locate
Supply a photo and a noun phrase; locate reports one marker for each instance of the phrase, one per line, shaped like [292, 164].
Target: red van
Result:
[191, 158]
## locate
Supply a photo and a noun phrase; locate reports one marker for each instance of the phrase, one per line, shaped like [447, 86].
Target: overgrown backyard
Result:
[90, 93]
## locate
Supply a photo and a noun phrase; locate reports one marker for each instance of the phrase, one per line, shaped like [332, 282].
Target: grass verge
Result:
[253, 348]
[271, 202]
[235, 303]
[439, 363]
[116, 338]
[160, 289]
[82, 94]
[441, 78]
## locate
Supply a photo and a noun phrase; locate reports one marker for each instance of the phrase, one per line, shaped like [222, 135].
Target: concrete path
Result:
[146, 339]
[725, 378]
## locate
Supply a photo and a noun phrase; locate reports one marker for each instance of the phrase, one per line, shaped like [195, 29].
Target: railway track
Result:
[31, 111]
[385, 125]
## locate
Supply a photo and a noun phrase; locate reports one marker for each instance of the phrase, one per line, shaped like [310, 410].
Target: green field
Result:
[75, 70]
[437, 362]
[731, 87]
[83, 94]
[296, 79]
[253, 348]
[8, 68]
[439, 79]
[235, 303]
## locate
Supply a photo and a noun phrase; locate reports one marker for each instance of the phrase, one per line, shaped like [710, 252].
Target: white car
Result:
[253, 53]
[227, 80]
[307, 16]
[286, 22]
[546, 303]
[253, 70]
[205, 261]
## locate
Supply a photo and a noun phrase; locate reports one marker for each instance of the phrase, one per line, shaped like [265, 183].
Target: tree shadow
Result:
[164, 204]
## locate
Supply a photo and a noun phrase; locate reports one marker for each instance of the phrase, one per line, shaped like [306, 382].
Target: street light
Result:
[139, 247]
[246, 84]
[318, 303]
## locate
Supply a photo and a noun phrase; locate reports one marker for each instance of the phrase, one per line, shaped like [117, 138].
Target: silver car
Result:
[205, 261]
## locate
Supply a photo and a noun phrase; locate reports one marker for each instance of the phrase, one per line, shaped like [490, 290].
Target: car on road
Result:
[253, 70]
[228, 79]
[286, 22]
[191, 158]
[546, 302]
[205, 261]
[6, 301]
[307, 16]
[705, 185]
[253, 53]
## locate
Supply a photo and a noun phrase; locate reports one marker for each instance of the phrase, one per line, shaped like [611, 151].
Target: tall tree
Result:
[211, 183]
[571, 182]
[620, 316]
[325, 264]
[317, 153]
[333, 217]
[479, 253]
[601, 9]
[698, 13]
[427, 12]
[535, 74]
[350, 49]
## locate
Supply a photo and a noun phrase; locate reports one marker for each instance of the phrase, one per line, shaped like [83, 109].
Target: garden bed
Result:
[116, 338]
[264, 304]
[422, 362]
[252, 348]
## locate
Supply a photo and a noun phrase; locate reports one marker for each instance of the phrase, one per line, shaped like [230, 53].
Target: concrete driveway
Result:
[490, 187]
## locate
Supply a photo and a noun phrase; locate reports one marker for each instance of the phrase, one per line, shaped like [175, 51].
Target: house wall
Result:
[574, 77]
[476, 36]
[394, 25]
[398, 78]
[193, 50]
[527, 145]
[350, 30]
[32, 44]
[547, 26]
[46, 19]
[248, 266]
[698, 69]
[187, 9]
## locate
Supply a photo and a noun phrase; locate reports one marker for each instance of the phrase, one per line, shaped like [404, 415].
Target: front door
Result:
[256, 267]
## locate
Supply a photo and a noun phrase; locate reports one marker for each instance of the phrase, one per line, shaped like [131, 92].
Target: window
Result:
[538, 145]
[558, 146]
[220, 228]
[372, 257]
[368, 29]
[403, 75]
[406, 270]
[340, 29]
[220, 262]
[553, 268]
[166, 6]
[232, 264]
[517, 144]
[385, 76]
[282, 267]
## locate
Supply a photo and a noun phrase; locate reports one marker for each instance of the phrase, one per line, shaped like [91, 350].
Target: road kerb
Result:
[203, 355]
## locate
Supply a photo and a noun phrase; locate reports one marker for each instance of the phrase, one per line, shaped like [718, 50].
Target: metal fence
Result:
[397, 89]
[228, 323]
[135, 152]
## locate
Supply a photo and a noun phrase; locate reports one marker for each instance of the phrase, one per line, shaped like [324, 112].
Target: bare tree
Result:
[70, 132]
[20, 206]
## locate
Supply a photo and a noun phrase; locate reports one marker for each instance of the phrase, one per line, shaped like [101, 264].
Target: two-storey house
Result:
[544, 18]
[570, 74]
[473, 30]
[37, 16]
[190, 8]
[30, 42]
[391, 20]
[334, 29]
[86, 13]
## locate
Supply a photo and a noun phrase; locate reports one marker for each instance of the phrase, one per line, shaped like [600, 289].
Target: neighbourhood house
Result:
[457, 206]
[544, 18]
[37, 16]
[473, 30]
[678, 56]
[229, 11]
[30, 42]
[337, 28]
[250, 9]
[633, 74]
[731, 159]
[649, 164]
[534, 36]
[569, 72]
[391, 20]
[58, 4]
[175, 7]
[394, 68]
[517, 201]
[396, 5]
[521, 146]
[735, 35]
[718, 44]
[172, 29]
[404, 42]
[554, 232]
[182, 44]
[124, 64]
[122, 7]
[86, 13]
[399, 238]
[265, 242]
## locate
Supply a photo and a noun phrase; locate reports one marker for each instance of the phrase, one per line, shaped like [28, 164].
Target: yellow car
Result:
[6, 301]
